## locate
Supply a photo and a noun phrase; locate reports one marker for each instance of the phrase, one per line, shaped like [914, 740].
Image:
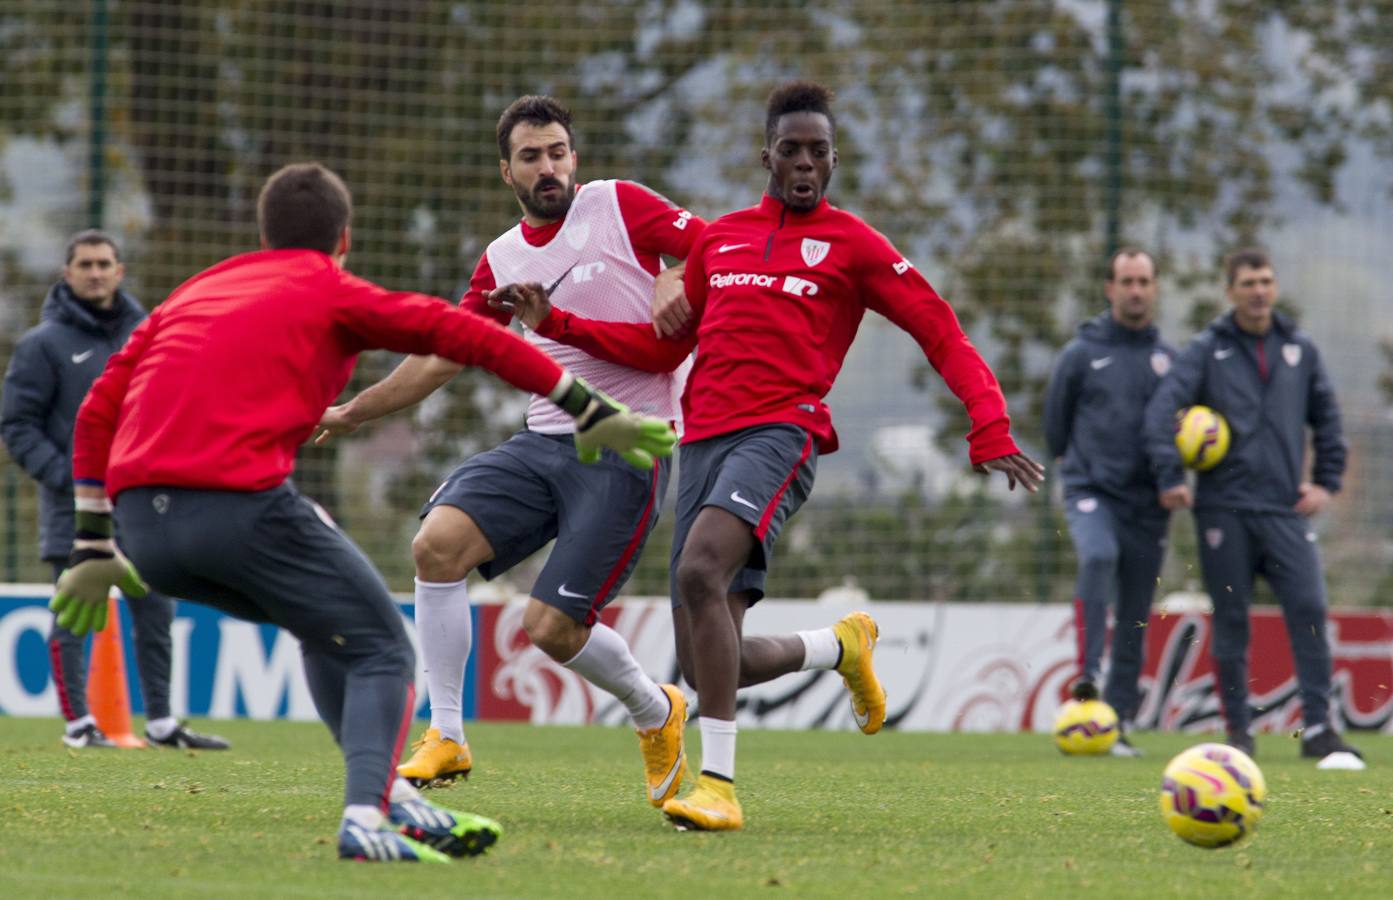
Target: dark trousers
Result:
[151, 618]
[274, 556]
[1119, 554]
[1235, 546]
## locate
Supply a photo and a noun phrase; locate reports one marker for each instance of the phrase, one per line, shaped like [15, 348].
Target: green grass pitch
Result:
[828, 815]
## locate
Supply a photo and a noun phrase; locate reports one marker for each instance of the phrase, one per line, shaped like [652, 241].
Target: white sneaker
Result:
[1123, 747]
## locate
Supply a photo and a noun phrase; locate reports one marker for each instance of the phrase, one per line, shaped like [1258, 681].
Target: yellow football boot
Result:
[664, 759]
[711, 806]
[857, 633]
[436, 759]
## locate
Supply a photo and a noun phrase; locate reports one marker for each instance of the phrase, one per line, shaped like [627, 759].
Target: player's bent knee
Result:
[443, 555]
[552, 631]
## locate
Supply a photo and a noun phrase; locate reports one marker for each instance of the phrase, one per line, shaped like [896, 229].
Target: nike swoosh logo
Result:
[82, 357]
[1223, 354]
[861, 718]
[735, 495]
[565, 593]
[656, 792]
[726, 248]
[557, 283]
[1101, 363]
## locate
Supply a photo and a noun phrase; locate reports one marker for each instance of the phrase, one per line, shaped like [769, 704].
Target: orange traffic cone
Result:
[107, 694]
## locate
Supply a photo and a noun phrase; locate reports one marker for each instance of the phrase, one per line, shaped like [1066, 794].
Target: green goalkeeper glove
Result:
[95, 566]
[602, 422]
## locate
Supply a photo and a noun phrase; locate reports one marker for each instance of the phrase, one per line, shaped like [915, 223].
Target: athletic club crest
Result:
[814, 252]
[1087, 504]
[1292, 354]
[578, 236]
[1160, 363]
[1214, 537]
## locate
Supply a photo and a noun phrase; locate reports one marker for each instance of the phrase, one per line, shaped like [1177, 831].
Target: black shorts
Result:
[265, 556]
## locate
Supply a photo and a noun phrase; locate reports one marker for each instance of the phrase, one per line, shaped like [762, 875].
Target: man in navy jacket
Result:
[1252, 510]
[1101, 383]
[85, 319]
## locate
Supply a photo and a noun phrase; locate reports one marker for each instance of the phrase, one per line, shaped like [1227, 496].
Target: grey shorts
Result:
[265, 556]
[761, 475]
[531, 489]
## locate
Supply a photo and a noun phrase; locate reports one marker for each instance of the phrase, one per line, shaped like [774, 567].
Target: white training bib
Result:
[605, 283]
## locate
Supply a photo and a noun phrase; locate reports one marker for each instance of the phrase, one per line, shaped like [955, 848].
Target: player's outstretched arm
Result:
[602, 423]
[529, 302]
[409, 383]
[1019, 469]
[631, 344]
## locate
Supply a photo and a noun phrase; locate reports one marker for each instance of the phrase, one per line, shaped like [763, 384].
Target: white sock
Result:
[369, 817]
[159, 729]
[821, 649]
[606, 662]
[77, 725]
[446, 632]
[718, 747]
[402, 791]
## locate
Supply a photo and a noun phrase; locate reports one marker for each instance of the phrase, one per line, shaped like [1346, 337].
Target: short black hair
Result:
[1129, 251]
[1247, 258]
[91, 236]
[796, 97]
[304, 205]
[534, 109]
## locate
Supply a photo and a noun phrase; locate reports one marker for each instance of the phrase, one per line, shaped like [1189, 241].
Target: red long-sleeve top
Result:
[777, 297]
[224, 381]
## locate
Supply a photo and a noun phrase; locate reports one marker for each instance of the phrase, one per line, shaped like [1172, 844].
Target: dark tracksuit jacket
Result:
[1094, 403]
[53, 365]
[1271, 389]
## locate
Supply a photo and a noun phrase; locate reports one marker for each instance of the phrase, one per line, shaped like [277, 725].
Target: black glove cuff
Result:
[577, 398]
[93, 526]
[77, 557]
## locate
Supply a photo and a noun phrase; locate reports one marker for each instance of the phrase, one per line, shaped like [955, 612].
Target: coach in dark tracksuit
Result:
[1093, 417]
[84, 320]
[1252, 510]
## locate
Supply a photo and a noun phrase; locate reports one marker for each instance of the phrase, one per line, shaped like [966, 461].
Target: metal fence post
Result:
[96, 160]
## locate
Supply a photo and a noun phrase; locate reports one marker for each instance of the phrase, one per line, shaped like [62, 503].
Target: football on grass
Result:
[1085, 727]
[1212, 795]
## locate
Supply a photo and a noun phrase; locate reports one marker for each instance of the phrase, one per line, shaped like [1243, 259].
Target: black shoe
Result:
[1242, 740]
[1328, 741]
[183, 739]
[88, 735]
[1084, 689]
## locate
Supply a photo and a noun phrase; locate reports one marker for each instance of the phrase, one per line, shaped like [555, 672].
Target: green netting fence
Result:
[1004, 145]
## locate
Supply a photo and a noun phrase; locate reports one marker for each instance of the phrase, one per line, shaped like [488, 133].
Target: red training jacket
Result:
[225, 380]
[778, 297]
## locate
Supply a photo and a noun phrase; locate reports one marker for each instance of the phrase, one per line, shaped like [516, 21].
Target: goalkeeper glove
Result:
[601, 422]
[94, 567]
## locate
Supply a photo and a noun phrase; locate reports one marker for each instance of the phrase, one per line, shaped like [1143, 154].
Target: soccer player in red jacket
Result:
[192, 430]
[774, 295]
